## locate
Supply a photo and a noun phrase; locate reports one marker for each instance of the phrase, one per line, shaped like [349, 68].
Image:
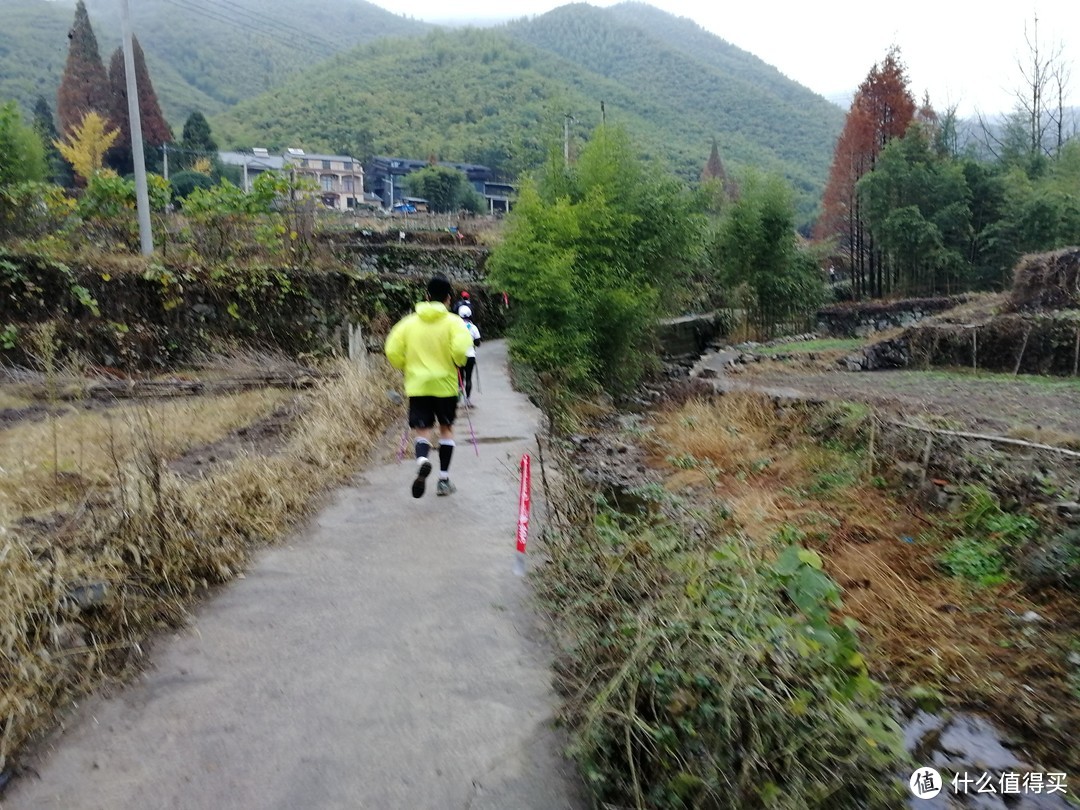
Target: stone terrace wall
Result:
[862, 318]
[161, 318]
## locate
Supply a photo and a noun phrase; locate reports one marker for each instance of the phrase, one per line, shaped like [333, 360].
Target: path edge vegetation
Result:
[134, 557]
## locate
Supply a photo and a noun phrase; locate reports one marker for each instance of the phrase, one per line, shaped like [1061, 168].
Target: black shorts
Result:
[425, 411]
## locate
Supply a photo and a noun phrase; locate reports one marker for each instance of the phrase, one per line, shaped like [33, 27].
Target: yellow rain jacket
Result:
[429, 345]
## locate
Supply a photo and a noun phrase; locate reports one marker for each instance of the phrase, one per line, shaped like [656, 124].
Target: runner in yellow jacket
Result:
[429, 346]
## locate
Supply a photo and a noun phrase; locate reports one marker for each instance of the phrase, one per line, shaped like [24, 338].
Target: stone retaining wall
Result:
[859, 319]
[160, 317]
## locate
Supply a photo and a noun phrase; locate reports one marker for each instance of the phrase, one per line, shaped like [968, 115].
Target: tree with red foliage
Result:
[155, 129]
[84, 87]
[883, 109]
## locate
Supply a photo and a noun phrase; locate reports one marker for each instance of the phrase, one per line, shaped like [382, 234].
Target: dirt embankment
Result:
[1006, 651]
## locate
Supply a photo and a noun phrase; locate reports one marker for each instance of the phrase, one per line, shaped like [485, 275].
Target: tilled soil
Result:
[992, 403]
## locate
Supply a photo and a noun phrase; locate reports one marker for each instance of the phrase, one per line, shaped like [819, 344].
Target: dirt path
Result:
[995, 403]
[385, 657]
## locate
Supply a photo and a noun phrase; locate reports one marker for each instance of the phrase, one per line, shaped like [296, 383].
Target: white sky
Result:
[964, 52]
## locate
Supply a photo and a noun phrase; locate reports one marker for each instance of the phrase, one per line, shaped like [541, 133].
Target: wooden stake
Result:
[870, 450]
[1023, 348]
[926, 457]
[1076, 353]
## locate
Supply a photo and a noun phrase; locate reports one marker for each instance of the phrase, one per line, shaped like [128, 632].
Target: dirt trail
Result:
[994, 402]
[385, 657]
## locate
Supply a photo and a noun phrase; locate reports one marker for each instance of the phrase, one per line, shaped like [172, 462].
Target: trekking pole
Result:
[476, 368]
[468, 414]
[397, 399]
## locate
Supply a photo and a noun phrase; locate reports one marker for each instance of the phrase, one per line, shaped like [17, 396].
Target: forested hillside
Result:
[699, 83]
[203, 54]
[499, 96]
[347, 76]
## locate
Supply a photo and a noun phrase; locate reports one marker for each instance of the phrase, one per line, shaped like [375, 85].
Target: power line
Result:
[275, 22]
[260, 26]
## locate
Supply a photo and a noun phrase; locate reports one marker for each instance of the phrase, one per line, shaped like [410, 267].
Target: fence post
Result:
[357, 350]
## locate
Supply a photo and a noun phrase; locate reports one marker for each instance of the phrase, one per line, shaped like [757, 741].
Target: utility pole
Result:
[165, 159]
[142, 197]
[567, 118]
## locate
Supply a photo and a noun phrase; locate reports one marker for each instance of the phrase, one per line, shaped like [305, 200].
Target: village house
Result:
[339, 178]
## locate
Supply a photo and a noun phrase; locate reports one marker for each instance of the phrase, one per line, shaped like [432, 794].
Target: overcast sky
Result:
[964, 52]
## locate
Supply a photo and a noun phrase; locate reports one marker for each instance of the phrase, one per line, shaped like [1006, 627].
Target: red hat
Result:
[464, 295]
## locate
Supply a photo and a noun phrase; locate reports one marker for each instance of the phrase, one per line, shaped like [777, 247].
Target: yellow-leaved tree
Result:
[86, 145]
[202, 165]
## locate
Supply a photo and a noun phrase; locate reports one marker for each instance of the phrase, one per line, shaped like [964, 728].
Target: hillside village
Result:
[805, 382]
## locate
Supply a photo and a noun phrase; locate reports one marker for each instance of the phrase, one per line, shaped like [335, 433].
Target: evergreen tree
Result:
[197, 142]
[593, 255]
[757, 249]
[58, 169]
[155, 129]
[718, 186]
[84, 86]
[446, 189]
[714, 168]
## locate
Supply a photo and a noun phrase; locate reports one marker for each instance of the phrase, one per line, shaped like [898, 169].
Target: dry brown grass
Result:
[920, 627]
[149, 540]
[12, 399]
[731, 432]
[47, 463]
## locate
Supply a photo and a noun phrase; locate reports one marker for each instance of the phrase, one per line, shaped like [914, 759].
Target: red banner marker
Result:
[523, 516]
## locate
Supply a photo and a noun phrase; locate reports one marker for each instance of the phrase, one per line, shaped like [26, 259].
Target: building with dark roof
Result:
[386, 179]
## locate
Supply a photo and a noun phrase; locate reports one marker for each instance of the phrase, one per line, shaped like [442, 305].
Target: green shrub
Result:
[990, 537]
[589, 254]
[701, 675]
[183, 183]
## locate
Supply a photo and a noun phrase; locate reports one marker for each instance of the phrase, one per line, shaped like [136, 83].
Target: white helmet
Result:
[465, 311]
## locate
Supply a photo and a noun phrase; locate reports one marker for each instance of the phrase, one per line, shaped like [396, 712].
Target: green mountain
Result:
[347, 76]
[701, 84]
[203, 54]
[499, 96]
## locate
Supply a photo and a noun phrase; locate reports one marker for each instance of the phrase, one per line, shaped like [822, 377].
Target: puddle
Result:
[628, 500]
[970, 746]
[499, 439]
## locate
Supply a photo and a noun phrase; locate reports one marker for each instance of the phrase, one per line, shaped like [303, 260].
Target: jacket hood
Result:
[431, 311]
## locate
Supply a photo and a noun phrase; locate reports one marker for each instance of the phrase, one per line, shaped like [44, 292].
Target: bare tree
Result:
[1037, 71]
[1060, 77]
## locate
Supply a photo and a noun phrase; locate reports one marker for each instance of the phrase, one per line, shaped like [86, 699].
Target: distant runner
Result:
[465, 313]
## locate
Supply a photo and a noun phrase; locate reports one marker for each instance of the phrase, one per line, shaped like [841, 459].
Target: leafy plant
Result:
[979, 560]
[990, 535]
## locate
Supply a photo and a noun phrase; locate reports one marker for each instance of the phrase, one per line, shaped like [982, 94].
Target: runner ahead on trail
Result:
[463, 301]
[430, 345]
[465, 313]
